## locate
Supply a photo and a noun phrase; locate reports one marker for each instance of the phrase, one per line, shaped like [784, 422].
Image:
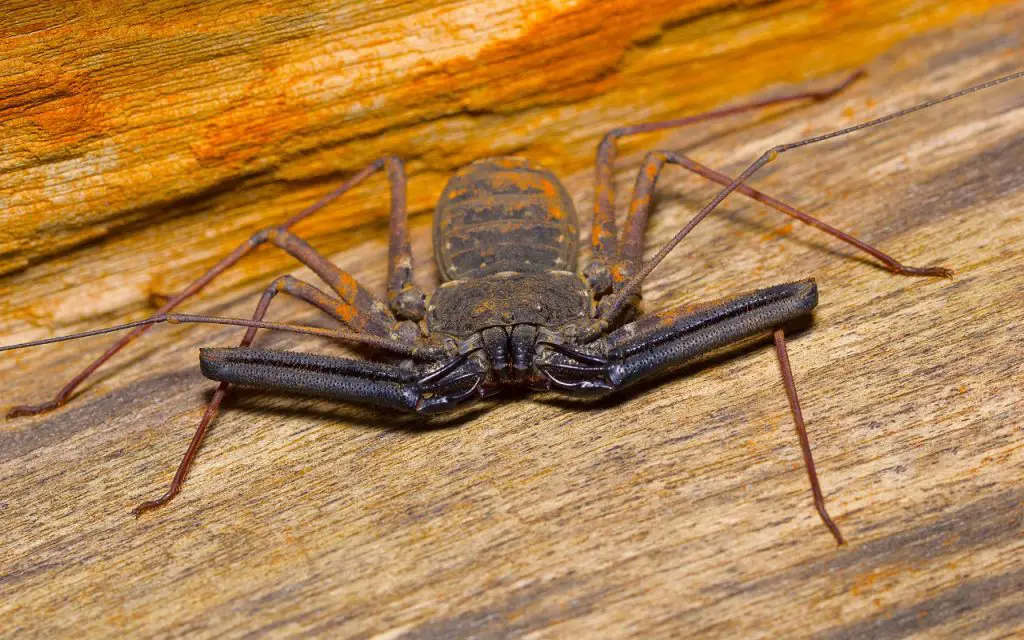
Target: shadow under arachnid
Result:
[271, 403]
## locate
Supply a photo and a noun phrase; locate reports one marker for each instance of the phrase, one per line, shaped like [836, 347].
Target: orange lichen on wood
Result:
[135, 115]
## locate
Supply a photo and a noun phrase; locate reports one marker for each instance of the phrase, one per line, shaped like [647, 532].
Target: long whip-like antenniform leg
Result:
[613, 306]
[225, 263]
[801, 431]
[396, 347]
[603, 236]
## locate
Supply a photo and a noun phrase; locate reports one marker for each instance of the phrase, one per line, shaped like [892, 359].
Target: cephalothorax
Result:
[512, 310]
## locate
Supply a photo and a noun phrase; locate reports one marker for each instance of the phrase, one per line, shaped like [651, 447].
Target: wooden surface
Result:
[680, 510]
[164, 115]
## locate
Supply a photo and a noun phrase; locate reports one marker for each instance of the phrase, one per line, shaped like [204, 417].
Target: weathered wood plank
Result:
[679, 510]
[221, 117]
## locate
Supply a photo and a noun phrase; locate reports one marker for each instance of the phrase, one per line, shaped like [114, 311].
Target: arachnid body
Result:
[512, 310]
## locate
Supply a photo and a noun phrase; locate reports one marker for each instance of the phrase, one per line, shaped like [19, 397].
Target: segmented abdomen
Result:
[504, 214]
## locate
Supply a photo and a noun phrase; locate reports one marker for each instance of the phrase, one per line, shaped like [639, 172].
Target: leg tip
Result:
[834, 530]
[144, 507]
[30, 409]
[927, 272]
[853, 77]
[149, 505]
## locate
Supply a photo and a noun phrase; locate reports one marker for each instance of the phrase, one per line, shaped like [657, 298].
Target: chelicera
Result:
[512, 310]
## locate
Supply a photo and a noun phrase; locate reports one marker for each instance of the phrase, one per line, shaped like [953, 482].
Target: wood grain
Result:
[151, 122]
[679, 510]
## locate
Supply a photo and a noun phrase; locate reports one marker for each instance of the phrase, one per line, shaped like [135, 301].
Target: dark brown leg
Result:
[614, 305]
[660, 342]
[801, 431]
[631, 251]
[286, 284]
[405, 298]
[603, 236]
[225, 263]
[358, 308]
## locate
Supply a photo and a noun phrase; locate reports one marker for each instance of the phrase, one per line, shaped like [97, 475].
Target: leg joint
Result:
[270, 234]
[657, 157]
[283, 283]
[614, 134]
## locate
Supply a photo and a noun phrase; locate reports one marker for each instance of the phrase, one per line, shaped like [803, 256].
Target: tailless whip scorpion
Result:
[511, 310]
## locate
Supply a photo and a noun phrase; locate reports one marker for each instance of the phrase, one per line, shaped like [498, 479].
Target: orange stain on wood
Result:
[183, 102]
[780, 232]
